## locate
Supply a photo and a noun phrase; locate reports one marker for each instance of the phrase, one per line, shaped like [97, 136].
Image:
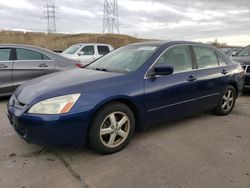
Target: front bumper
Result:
[50, 130]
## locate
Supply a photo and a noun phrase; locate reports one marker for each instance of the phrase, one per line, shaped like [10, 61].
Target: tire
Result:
[112, 128]
[226, 102]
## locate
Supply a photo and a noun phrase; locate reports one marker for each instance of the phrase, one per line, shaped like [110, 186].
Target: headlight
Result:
[57, 105]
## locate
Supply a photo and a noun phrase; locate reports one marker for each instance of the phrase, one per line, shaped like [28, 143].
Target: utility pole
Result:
[110, 17]
[50, 11]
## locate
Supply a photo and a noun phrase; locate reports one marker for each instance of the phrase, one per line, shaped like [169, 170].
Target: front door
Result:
[171, 95]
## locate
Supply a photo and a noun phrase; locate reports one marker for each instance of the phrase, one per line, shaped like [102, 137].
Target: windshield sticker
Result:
[151, 48]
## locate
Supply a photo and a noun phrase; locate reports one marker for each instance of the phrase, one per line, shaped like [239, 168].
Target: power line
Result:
[110, 16]
[50, 11]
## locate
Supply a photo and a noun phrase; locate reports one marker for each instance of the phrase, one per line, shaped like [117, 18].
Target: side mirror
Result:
[80, 53]
[163, 70]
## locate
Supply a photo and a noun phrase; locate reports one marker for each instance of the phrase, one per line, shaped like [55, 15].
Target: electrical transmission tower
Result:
[50, 10]
[110, 17]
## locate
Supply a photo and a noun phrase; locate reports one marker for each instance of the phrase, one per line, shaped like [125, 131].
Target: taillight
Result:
[79, 65]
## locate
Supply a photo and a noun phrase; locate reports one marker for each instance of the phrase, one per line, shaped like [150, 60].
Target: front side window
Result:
[5, 54]
[24, 54]
[102, 50]
[125, 60]
[205, 57]
[88, 50]
[179, 57]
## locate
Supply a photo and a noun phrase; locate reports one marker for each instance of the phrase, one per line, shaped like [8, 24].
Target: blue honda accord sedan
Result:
[129, 88]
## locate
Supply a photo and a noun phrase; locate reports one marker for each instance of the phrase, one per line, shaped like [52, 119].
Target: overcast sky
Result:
[228, 21]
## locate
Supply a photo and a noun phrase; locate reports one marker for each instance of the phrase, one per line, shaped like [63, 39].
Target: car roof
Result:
[46, 51]
[10, 45]
[91, 43]
[171, 43]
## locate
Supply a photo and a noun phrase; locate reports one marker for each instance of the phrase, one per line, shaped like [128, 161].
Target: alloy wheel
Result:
[114, 129]
[228, 100]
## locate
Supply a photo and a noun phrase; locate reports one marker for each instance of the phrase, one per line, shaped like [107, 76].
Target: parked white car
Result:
[85, 53]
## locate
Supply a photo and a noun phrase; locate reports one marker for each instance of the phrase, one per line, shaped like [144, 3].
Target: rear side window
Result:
[24, 54]
[179, 57]
[102, 50]
[88, 50]
[205, 57]
[5, 54]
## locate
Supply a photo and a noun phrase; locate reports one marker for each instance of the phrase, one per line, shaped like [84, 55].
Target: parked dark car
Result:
[244, 58]
[131, 87]
[19, 63]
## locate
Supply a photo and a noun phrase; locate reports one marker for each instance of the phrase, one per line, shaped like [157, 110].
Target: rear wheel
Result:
[226, 102]
[112, 128]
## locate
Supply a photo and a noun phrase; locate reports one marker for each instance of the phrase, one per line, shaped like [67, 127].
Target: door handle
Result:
[224, 72]
[43, 65]
[191, 79]
[3, 66]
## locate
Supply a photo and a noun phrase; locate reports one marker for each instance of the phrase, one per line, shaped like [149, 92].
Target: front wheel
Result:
[226, 102]
[112, 128]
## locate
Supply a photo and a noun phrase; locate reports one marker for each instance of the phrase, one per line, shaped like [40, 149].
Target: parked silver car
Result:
[19, 63]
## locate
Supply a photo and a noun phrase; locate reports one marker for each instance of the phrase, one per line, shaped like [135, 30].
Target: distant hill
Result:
[60, 42]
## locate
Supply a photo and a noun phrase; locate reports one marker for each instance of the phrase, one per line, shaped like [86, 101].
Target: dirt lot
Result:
[200, 151]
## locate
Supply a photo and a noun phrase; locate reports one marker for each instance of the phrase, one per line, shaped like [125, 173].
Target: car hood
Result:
[62, 83]
[244, 60]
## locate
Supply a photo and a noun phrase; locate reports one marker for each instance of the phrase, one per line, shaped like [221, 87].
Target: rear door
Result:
[212, 75]
[30, 64]
[6, 63]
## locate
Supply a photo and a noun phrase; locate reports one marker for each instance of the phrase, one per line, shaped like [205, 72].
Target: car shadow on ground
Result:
[4, 99]
[151, 130]
[246, 92]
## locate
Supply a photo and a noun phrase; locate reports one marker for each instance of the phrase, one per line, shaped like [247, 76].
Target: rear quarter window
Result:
[222, 61]
[45, 57]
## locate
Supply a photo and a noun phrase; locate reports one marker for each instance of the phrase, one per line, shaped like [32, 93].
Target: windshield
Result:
[72, 49]
[126, 59]
[245, 52]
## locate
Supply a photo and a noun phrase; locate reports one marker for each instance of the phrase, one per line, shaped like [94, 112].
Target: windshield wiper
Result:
[101, 69]
[98, 69]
